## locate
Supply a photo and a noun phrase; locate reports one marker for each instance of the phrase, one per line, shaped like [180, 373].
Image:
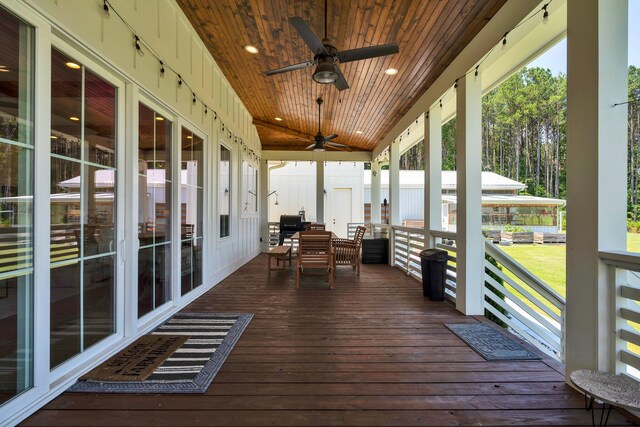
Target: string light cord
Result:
[140, 44]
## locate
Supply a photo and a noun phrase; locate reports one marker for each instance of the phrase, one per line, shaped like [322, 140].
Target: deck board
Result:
[372, 351]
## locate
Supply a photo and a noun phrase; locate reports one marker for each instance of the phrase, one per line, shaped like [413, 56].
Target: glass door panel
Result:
[83, 207]
[154, 210]
[191, 202]
[16, 206]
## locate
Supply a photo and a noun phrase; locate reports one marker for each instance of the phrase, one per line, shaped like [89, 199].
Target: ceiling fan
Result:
[326, 56]
[320, 141]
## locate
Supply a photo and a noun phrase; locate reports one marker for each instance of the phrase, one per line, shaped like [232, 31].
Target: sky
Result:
[556, 58]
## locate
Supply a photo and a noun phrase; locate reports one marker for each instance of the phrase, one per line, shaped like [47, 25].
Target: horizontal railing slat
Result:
[520, 303]
[630, 292]
[630, 359]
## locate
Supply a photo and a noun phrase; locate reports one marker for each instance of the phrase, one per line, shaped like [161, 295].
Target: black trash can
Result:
[434, 273]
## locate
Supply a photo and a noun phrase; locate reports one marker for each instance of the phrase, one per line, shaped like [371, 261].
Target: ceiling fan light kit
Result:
[325, 73]
[326, 58]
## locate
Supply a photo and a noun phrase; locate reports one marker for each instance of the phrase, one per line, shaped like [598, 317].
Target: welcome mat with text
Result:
[192, 348]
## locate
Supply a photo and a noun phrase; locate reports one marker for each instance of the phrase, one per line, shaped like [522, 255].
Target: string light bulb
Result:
[137, 43]
[475, 74]
[504, 40]
[162, 68]
[545, 15]
[440, 102]
[455, 84]
[194, 97]
[206, 109]
[179, 80]
[105, 8]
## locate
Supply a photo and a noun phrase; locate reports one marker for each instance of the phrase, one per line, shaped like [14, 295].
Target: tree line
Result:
[524, 134]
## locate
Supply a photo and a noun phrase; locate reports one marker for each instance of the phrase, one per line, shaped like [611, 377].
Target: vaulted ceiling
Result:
[430, 34]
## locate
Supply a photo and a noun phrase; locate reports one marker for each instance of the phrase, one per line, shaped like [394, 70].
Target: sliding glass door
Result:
[191, 204]
[16, 206]
[83, 202]
[154, 210]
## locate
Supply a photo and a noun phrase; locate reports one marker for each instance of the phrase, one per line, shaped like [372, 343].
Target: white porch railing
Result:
[524, 303]
[626, 271]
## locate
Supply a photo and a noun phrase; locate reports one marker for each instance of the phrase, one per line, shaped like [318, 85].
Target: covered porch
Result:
[373, 351]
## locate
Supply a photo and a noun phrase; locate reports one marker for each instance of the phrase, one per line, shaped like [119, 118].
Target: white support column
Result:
[432, 173]
[263, 191]
[596, 176]
[469, 240]
[320, 192]
[375, 192]
[394, 183]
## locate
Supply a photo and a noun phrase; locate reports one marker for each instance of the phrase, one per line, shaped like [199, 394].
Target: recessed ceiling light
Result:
[54, 137]
[251, 49]
[4, 70]
[189, 137]
[391, 71]
[74, 118]
[278, 119]
[158, 118]
[358, 132]
[72, 65]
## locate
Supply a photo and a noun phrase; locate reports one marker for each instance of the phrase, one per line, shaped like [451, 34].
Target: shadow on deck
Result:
[371, 352]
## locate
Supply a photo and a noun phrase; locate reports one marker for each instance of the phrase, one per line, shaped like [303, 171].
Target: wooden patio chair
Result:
[347, 252]
[316, 227]
[315, 251]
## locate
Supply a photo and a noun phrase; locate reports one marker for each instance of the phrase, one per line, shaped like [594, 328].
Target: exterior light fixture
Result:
[251, 49]
[72, 65]
[278, 119]
[158, 118]
[74, 118]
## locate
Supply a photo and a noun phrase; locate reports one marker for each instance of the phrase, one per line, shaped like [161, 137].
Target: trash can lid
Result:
[433, 253]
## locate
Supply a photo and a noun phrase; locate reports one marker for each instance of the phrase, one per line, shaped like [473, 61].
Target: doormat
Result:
[139, 360]
[210, 337]
[489, 343]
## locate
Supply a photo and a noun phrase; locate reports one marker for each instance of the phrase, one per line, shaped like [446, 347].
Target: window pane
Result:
[16, 206]
[224, 191]
[99, 120]
[98, 299]
[66, 106]
[16, 79]
[99, 211]
[65, 312]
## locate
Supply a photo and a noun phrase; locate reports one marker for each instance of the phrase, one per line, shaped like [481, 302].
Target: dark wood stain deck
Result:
[371, 352]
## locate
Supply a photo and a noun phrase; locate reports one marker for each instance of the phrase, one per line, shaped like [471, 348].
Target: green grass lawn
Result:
[548, 261]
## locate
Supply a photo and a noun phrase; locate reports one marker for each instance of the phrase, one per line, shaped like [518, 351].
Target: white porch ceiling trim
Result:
[322, 156]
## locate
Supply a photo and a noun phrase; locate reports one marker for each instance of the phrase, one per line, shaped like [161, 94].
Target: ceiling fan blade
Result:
[310, 146]
[335, 144]
[341, 84]
[288, 68]
[314, 43]
[336, 148]
[368, 52]
[330, 137]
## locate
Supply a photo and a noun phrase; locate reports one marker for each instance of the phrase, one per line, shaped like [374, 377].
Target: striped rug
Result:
[192, 367]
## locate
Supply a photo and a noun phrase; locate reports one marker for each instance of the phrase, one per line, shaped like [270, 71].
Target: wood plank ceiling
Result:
[430, 35]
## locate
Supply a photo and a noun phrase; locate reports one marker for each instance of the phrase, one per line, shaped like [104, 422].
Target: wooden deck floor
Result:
[371, 352]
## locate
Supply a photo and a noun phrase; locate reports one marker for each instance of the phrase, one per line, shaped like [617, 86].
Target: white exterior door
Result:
[341, 211]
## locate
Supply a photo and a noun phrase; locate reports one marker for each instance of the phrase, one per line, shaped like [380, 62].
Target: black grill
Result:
[289, 225]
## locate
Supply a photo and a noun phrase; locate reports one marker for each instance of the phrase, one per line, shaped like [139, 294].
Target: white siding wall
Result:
[295, 184]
